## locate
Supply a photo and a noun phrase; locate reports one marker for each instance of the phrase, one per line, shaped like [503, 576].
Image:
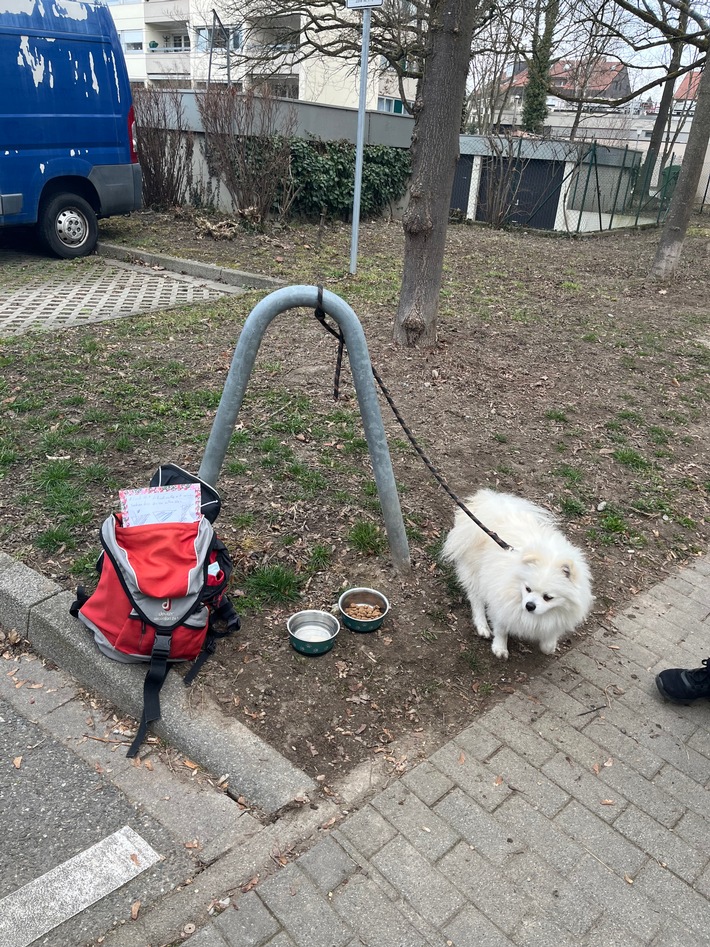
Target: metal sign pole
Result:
[366, 15]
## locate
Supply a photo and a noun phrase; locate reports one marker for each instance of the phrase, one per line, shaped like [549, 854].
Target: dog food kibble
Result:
[363, 612]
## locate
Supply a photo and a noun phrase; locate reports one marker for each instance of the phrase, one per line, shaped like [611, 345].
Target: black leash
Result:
[320, 315]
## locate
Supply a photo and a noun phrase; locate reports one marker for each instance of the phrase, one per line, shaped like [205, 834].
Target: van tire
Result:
[68, 226]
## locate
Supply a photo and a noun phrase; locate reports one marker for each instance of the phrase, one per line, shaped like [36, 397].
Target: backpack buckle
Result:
[161, 646]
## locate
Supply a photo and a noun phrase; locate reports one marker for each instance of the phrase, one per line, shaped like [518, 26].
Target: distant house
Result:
[603, 79]
[687, 92]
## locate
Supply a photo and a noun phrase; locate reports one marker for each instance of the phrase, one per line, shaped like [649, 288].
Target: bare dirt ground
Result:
[559, 374]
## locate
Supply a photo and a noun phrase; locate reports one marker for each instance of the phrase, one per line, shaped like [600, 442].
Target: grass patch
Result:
[631, 458]
[366, 538]
[270, 585]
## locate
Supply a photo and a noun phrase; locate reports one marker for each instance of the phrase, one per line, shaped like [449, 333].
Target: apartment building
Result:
[189, 43]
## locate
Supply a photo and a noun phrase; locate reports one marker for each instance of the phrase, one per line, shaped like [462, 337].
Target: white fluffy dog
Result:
[538, 591]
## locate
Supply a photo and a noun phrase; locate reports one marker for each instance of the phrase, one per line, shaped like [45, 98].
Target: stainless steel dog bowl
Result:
[312, 632]
[363, 596]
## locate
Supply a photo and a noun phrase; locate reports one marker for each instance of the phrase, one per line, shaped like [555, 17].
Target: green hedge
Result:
[324, 177]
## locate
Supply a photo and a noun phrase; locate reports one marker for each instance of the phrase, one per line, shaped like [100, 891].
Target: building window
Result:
[207, 37]
[395, 106]
[132, 41]
[181, 41]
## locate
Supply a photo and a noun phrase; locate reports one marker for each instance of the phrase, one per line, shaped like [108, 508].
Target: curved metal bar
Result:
[235, 386]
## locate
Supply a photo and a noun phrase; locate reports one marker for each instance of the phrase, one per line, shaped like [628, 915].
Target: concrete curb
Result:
[39, 610]
[208, 271]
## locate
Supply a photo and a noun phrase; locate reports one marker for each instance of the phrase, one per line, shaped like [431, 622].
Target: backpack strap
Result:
[224, 612]
[154, 680]
[82, 597]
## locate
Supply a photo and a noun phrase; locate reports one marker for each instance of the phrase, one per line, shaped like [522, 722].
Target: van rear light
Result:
[132, 137]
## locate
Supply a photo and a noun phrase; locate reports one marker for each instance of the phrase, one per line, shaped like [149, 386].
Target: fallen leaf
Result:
[462, 757]
[596, 769]
[193, 844]
[148, 765]
[135, 859]
[628, 879]
[609, 762]
[190, 764]
[135, 909]
[498, 781]
[608, 802]
[250, 884]
[17, 762]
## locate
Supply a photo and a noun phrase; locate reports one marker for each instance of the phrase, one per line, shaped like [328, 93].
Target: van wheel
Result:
[68, 226]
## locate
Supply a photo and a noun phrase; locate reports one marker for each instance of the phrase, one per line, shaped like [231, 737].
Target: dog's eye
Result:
[527, 588]
[547, 598]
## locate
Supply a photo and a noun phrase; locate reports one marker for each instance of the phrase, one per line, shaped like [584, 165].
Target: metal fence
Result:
[602, 195]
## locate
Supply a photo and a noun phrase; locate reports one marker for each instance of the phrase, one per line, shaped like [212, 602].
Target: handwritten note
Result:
[176, 504]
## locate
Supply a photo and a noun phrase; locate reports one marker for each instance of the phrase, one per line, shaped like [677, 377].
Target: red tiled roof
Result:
[602, 76]
[688, 89]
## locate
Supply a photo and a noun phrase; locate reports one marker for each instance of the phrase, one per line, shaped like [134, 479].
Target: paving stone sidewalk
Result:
[575, 812]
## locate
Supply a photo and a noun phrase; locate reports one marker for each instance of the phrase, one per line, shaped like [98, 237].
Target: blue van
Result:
[67, 128]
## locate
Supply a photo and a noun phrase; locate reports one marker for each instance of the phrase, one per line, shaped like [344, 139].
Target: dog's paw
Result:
[499, 649]
[548, 647]
[483, 632]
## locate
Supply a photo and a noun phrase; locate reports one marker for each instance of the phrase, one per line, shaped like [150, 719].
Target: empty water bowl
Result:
[363, 609]
[312, 632]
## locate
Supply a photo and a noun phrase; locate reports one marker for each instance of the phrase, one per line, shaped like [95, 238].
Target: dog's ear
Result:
[567, 571]
[530, 558]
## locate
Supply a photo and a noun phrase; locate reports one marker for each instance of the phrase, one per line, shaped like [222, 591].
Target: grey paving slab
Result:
[328, 865]
[584, 786]
[487, 888]
[430, 835]
[488, 834]
[528, 742]
[374, 917]
[481, 781]
[302, 910]
[674, 853]
[470, 928]
[672, 896]
[368, 831]
[627, 903]
[428, 890]
[427, 782]
[536, 832]
[246, 922]
[616, 851]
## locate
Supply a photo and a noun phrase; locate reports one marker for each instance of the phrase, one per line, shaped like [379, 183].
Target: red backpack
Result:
[161, 593]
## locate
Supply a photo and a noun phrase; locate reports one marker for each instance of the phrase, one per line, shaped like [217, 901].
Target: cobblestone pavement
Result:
[55, 294]
[575, 812]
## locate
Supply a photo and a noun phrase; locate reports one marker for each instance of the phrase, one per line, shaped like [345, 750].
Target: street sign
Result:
[362, 4]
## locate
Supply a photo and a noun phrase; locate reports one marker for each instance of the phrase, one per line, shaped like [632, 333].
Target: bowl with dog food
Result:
[312, 632]
[363, 609]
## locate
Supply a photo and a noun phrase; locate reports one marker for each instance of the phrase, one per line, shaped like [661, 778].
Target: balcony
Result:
[166, 63]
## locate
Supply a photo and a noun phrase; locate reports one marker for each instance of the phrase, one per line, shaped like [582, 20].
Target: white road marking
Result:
[68, 889]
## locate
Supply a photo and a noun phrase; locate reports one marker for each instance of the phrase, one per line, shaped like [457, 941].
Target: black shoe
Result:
[682, 685]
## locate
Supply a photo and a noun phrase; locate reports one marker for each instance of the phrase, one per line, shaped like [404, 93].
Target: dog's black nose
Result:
[530, 606]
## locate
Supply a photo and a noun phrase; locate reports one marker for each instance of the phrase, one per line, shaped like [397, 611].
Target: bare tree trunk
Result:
[659, 125]
[670, 246]
[435, 148]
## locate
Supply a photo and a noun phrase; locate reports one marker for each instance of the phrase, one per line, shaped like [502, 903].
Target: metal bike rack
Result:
[235, 386]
